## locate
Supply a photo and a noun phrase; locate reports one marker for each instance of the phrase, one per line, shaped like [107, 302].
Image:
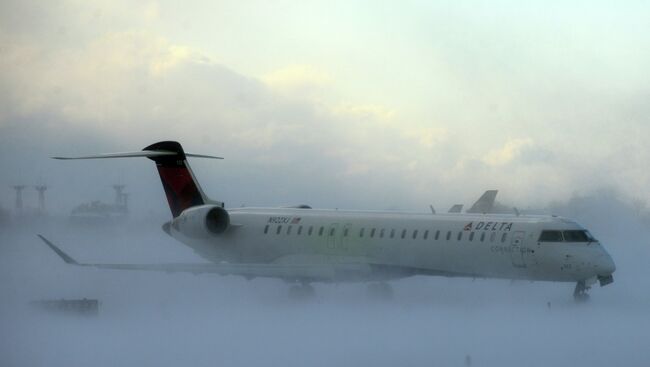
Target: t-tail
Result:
[181, 187]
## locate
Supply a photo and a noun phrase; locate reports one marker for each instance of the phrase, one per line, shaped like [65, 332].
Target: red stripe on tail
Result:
[180, 188]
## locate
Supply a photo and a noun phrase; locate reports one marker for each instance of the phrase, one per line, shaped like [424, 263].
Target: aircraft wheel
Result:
[584, 297]
[580, 293]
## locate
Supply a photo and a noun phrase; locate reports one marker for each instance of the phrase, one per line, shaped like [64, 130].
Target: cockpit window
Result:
[566, 236]
[577, 236]
[551, 236]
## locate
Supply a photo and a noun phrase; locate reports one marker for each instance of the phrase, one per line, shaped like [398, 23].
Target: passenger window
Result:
[437, 234]
[392, 233]
[471, 236]
[310, 231]
[493, 236]
[403, 233]
[345, 232]
[415, 234]
[381, 233]
[266, 229]
[551, 236]
[361, 232]
[483, 236]
[372, 233]
[299, 230]
[289, 230]
[332, 231]
[320, 231]
[460, 236]
[504, 237]
[278, 230]
[448, 235]
[426, 234]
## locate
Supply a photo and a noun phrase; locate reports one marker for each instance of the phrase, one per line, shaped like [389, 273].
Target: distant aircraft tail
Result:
[485, 203]
[181, 187]
[457, 208]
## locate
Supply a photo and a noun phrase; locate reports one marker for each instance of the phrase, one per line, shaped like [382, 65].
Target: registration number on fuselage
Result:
[284, 220]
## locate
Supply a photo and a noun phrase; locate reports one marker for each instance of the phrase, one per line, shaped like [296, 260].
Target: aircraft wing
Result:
[290, 272]
[485, 203]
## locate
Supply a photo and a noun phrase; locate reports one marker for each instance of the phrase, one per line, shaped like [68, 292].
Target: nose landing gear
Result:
[580, 293]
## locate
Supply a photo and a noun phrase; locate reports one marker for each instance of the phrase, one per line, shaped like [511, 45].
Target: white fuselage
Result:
[402, 244]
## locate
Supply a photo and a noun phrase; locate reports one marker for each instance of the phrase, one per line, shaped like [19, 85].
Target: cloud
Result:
[365, 112]
[132, 85]
[296, 77]
[518, 150]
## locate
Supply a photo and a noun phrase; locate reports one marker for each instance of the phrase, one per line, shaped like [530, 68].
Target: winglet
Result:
[62, 255]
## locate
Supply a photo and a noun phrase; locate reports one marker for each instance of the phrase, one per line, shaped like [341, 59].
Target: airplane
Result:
[485, 203]
[301, 245]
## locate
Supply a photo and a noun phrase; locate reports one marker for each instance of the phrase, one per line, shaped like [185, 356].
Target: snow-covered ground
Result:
[157, 319]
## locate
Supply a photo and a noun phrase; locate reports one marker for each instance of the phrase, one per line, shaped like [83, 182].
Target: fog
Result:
[343, 104]
[204, 320]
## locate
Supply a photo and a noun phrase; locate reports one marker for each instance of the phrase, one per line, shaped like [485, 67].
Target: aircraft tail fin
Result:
[181, 187]
[485, 203]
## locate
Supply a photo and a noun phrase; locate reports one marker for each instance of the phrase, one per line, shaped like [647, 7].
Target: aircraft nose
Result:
[604, 268]
[606, 265]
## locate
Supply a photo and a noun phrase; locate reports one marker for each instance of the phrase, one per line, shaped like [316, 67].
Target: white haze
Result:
[338, 104]
[204, 320]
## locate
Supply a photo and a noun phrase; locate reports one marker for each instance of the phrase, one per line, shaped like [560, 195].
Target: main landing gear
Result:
[580, 293]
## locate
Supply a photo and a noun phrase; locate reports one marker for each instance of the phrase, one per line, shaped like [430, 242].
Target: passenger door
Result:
[517, 247]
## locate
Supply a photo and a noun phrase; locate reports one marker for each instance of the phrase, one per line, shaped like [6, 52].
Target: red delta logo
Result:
[489, 226]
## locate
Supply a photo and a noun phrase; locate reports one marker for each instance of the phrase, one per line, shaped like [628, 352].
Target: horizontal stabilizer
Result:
[141, 153]
[181, 187]
[202, 156]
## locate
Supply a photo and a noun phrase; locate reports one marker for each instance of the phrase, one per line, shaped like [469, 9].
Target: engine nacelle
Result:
[202, 221]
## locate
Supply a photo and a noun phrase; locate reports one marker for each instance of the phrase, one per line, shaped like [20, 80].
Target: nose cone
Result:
[605, 264]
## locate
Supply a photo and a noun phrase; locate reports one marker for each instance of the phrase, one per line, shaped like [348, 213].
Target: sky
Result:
[337, 104]
[346, 104]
